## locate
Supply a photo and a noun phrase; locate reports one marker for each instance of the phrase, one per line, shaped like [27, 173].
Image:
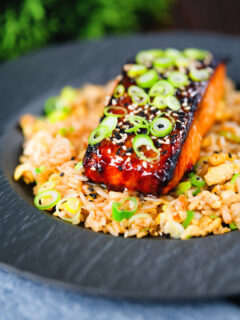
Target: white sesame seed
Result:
[144, 164]
[124, 148]
[93, 168]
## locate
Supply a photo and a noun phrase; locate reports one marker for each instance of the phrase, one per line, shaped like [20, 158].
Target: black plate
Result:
[41, 245]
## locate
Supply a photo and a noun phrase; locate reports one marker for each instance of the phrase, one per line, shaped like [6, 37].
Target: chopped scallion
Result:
[187, 221]
[118, 211]
[148, 79]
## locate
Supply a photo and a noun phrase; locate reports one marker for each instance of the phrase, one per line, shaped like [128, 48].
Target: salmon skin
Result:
[156, 169]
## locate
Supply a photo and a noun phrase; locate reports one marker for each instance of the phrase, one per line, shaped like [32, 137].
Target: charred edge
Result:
[168, 172]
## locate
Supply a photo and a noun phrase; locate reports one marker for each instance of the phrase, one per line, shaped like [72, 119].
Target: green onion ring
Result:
[136, 70]
[196, 180]
[144, 140]
[146, 57]
[233, 180]
[233, 226]
[118, 214]
[53, 194]
[172, 53]
[161, 127]
[138, 123]
[162, 63]
[138, 95]
[199, 74]
[159, 102]
[119, 91]
[173, 103]
[110, 122]
[187, 221]
[194, 53]
[148, 79]
[178, 79]
[49, 185]
[140, 98]
[98, 134]
[117, 115]
[135, 89]
[79, 166]
[183, 187]
[182, 62]
[162, 87]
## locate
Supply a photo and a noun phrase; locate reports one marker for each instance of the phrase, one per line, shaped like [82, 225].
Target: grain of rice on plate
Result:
[207, 201]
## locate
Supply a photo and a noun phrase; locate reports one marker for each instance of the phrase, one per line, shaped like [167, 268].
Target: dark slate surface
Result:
[39, 244]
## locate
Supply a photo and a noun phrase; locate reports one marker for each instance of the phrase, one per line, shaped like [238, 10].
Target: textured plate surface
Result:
[40, 245]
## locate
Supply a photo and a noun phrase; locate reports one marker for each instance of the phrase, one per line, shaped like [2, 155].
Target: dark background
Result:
[26, 25]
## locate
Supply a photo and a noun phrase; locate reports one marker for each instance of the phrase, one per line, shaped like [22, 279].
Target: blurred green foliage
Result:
[29, 24]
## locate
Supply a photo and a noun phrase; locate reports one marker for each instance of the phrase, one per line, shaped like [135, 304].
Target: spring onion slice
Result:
[144, 140]
[161, 127]
[162, 87]
[183, 187]
[182, 62]
[233, 180]
[79, 166]
[68, 94]
[140, 98]
[197, 190]
[173, 103]
[40, 169]
[138, 123]
[178, 79]
[46, 200]
[49, 185]
[233, 226]
[159, 102]
[136, 70]
[172, 53]
[110, 122]
[199, 75]
[194, 53]
[148, 79]
[50, 105]
[187, 221]
[119, 91]
[163, 62]
[109, 111]
[98, 134]
[120, 214]
[69, 209]
[135, 89]
[196, 180]
[230, 136]
[138, 95]
[146, 57]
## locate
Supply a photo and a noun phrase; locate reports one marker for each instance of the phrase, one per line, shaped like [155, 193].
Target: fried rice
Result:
[55, 145]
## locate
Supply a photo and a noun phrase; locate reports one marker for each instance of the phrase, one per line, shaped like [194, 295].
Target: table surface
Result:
[25, 299]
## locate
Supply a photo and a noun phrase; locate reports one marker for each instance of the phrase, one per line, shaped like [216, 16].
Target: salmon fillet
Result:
[156, 170]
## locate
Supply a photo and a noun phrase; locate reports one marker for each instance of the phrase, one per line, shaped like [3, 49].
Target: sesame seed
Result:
[144, 164]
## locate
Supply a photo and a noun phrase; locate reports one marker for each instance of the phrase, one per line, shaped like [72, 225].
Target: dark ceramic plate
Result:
[37, 244]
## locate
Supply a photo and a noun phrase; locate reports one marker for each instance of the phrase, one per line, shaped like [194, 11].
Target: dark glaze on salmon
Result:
[113, 161]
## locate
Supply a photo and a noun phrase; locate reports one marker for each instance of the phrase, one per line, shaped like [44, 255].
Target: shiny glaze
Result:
[113, 162]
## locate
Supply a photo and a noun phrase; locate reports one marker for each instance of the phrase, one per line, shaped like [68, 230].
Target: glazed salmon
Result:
[151, 130]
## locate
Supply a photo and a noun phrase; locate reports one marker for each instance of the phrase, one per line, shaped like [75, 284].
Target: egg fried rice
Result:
[207, 201]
